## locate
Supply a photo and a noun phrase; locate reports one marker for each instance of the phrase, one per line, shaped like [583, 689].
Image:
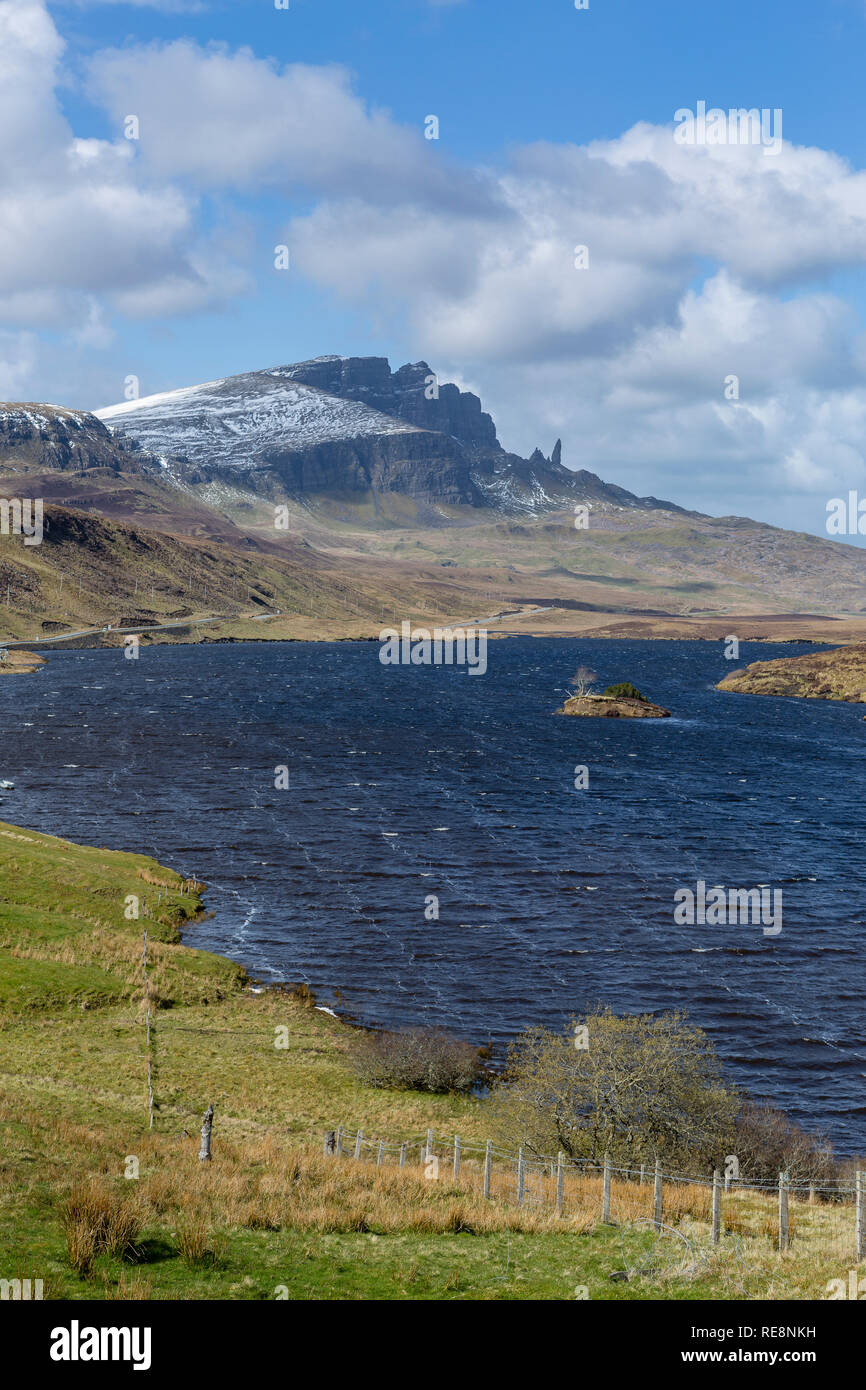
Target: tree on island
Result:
[583, 680]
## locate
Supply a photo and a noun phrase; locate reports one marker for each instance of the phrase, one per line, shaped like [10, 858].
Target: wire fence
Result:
[685, 1218]
[825, 1220]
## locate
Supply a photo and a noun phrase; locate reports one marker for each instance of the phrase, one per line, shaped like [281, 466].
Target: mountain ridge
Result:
[350, 424]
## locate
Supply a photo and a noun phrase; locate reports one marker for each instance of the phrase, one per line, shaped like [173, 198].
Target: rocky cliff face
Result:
[431, 468]
[48, 438]
[412, 393]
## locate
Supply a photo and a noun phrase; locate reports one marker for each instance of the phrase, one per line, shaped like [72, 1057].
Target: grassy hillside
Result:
[270, 1213]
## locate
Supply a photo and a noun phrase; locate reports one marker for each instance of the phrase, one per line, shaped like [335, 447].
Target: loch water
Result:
[413, 783]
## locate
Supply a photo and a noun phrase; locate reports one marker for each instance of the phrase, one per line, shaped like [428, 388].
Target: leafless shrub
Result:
[640, 1087]
[417, 1060]
[768, 1143]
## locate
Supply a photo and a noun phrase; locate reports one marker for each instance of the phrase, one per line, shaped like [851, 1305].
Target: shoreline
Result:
[767, 637]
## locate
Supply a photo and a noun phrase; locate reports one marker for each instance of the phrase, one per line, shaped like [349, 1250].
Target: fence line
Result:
[619, 1194]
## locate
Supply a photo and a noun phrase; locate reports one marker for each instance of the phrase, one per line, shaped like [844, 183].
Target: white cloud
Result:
[218, 118]
[18, 357]
[703, 263]
[78, 219]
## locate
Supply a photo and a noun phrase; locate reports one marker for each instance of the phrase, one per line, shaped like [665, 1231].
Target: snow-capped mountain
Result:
[338, 425]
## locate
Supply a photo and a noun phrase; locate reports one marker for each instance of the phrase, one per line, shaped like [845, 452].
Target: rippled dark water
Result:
[407, 782]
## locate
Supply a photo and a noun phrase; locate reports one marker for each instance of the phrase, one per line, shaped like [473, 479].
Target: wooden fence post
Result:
[147, 1035]
[380, 1157]
[402, 1155]
[560, 1181]
[860, 1219]
[488, 1158]
[642, 1174]
[429, 1150]
[717, 1205]
[520, 1175]
[149, 1076]
[359, 1139]
[657, 1194]
[339, 1147]
[457, 1156]
[207, 1126]
[605, 1192]
[811, 1194]
[783, 1212]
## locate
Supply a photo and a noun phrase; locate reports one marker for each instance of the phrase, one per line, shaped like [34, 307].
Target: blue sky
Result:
[262, 126]
[506, 71]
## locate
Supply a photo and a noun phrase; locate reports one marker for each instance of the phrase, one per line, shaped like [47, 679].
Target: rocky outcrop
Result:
[48, 438]
[412, 393]
[610, 707]
[345, 425]
[827, 675]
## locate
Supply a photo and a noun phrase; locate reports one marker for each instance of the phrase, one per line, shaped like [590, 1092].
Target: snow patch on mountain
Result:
[235, 420]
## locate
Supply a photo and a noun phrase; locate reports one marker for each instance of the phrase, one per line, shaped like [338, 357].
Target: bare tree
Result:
[583, 680]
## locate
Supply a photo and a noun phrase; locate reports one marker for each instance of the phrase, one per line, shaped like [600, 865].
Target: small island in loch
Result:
[839, 674]
[622, 701]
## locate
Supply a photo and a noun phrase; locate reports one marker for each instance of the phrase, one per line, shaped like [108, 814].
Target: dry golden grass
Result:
[276, 1183]
[97, 1219]
[200, 1246]
[129, 1286]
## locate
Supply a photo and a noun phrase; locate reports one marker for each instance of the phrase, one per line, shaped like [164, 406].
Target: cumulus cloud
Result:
[704, 263]
[18, 358]
[218, 118]
[78, 220]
